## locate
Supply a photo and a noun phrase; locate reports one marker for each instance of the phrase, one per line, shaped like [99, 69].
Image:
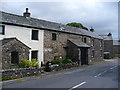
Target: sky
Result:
[102, 16]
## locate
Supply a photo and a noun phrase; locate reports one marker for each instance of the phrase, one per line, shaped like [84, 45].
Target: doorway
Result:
[14, 58]
[84, 56]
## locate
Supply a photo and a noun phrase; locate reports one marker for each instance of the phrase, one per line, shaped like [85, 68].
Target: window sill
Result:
[35, 40]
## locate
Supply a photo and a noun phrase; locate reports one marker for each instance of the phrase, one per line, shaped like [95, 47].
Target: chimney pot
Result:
[92, 30]
[26, 14]
[26, 10]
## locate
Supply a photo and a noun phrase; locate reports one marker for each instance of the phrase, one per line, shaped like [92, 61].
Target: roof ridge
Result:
[30, 17]
[42, 20]
[11, 14]
[48, 25]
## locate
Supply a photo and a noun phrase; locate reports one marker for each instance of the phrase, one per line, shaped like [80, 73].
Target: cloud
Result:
[103, 16]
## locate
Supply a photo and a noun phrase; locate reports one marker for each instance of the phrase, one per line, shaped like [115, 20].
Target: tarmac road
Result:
[103, 75]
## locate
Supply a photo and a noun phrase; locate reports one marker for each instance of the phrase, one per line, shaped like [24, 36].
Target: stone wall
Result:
[18, 73]
[98, 50]
[116, 51]
[53, 48]
[73, 51]
[0, 54]
[108, 47]
[13, 46]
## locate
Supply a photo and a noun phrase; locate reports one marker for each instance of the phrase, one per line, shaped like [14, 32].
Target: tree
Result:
[78, 25]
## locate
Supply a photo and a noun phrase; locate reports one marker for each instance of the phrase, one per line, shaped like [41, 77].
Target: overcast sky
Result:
[102, 16]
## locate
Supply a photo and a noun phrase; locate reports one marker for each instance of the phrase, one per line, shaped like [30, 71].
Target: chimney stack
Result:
[26, 14]
[92, 30]
[109, 34]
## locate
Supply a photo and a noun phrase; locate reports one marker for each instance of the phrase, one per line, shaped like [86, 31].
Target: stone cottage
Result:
[50, 40]
[108, 45]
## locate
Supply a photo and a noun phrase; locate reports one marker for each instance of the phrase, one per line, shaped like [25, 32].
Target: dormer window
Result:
[2, 30]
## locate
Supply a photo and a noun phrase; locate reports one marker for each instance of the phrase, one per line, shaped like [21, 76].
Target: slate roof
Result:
[7, 40]
[106, 37]
[42, 24]
[79, 43]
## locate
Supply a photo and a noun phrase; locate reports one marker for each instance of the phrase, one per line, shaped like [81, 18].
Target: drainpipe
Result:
[79, 51]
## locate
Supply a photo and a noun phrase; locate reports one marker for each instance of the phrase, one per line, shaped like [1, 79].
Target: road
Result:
[103, 75]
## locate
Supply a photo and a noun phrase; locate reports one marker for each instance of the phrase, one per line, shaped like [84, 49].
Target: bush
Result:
[56, 61]
[35, 63]
[67, 61]
[25, 63]
[69, 56]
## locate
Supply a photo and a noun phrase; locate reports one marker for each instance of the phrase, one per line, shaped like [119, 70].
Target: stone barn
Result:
[13, 50]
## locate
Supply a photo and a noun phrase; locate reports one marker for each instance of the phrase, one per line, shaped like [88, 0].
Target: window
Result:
[34, 34]
[93, 53]
[54, 36]
[2, 29]
[100, 43]
[101, 52]
[14, 58]
[34, 55]
[92, 43]
[84, 40]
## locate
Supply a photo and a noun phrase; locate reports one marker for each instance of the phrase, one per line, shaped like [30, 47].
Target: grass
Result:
[20, 81]
[10, 78]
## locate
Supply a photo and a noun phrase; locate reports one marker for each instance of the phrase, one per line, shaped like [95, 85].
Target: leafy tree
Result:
[78, 25]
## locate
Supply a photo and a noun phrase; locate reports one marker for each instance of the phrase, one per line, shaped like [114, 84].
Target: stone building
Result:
[116, 48]
[12, 51]
[50, 40]
[108, 45]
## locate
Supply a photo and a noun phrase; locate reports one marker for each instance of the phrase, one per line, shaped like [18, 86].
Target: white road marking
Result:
[104, 71]
[100, 73]
[111, 68]
[77, 85]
